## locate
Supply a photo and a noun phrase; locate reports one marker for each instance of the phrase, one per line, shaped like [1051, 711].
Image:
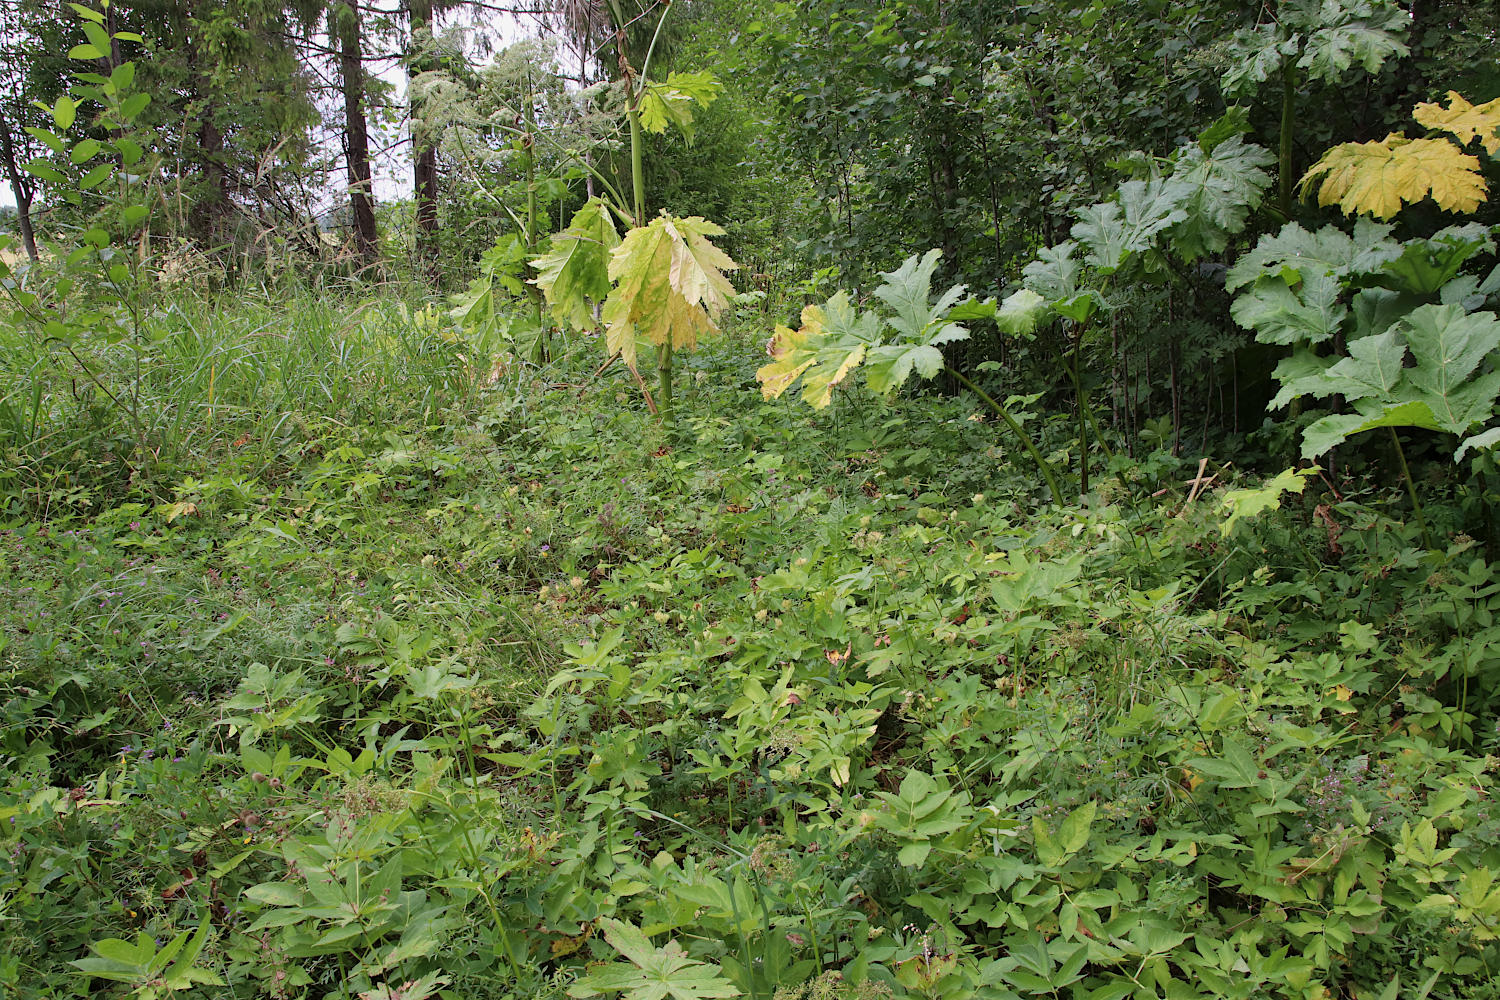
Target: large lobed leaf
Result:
[831, 343]
[1464, 121]
[669, 285]
[1377, 177]
[672, 102]
[1295, 254]
[1216, 191]
[574, 273]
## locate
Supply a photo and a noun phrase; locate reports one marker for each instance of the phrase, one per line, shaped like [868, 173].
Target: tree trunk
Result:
[20, 187]
[345, 29]
[424, 170]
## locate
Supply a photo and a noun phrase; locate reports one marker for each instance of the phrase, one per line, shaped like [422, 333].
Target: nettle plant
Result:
[662, 286]
[1191, 205]
[1397, 330]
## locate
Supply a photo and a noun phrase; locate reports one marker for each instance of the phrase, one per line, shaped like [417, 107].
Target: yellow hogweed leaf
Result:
[832, 343]
[1376, 177]
[1464, 121]
[789, 354]
[669, 285]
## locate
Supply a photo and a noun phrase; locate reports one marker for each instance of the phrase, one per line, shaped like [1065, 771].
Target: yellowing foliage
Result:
[1376, 177]
[669, 285]
[1464, 121]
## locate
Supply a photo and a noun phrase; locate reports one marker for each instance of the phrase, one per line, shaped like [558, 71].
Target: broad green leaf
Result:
[1425, 266]
[574, 274]
[669, 285]
[1482, 442]
[64, 113]
[1377, 177]
[85, 52]
[1375, 309]
[889, 366]
[1362, 33]
[1054, 274]
[1216, 191]
[1114, 231]
[1019, 314]
[85, 151]
[1279, 313]
[654, 973]
[1246, 503]
[908, 291]
[1448, 345]
[95, 33]
[1373, 367]
[1259, 54]
[43, 170]
[1332, 431]
[1464, 121]
[672, 102]
[87, 12]
[1304, 373]
[1295, 253]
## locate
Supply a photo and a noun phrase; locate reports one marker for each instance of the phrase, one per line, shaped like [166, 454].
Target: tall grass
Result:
[238, 375]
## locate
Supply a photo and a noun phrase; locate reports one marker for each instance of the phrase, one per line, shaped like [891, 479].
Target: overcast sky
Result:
[392, 169]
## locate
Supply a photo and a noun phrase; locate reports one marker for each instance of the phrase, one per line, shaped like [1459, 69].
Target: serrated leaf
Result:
[1332, 431]
[1448, 345]
[655, 973]
[1281, 313]
[1304, 373]
[1373, 367]
[1480, 442]
[908, 289]
[1114, 231]
[1425, 266]
[1296, 253]
[1464, 121]
[889, 366]
[1245, 503]
[831, 344]
[1019, 314]
[1054, 274]
[669, 285]
[1217, 191]
[574, 274]
[1260, 52]
[1366, 35]
[1377, 177]
[671, 102]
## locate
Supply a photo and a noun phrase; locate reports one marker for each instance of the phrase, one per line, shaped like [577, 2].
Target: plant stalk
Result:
[1017, 430]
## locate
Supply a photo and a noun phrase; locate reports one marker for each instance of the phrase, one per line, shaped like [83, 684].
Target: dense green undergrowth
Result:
[397, 673]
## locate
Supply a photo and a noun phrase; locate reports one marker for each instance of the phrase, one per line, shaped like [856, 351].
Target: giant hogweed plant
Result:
[662, 285]
[1397, 330]
[1191, 206]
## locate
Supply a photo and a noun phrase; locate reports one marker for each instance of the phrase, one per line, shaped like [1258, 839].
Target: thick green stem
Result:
[1288, 112]
[1083, 424]
[1017, 430]
[1411, 488]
